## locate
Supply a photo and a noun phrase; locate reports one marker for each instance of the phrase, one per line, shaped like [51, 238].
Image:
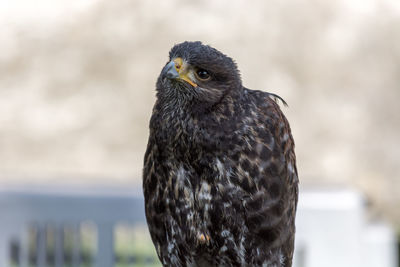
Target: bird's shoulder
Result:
[266, 167]
[269, 144]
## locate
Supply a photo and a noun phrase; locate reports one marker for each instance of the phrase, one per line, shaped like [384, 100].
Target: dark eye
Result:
[203, 75]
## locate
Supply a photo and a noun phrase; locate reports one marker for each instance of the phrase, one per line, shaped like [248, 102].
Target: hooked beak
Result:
[170, 71]
[177, 69]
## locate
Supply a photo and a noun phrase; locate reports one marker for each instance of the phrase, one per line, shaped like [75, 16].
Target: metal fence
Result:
[332, 227]
[24, 209]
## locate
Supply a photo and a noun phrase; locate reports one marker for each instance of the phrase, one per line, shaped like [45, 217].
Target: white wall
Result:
[333, 230]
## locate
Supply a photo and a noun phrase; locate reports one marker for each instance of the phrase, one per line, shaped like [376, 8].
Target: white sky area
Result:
[27, 11]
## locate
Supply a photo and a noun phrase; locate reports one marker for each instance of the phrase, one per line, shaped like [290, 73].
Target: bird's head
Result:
[198, 73]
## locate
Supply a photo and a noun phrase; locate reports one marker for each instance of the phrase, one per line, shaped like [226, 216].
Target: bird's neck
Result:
[172, 103]
[183, 127]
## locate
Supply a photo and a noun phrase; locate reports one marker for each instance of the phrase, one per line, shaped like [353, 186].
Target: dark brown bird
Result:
[220, 179]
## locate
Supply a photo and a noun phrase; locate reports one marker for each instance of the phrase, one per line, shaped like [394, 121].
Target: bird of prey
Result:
[219, 179]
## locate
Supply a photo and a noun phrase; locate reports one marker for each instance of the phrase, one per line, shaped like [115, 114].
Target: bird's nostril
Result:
[178, 63]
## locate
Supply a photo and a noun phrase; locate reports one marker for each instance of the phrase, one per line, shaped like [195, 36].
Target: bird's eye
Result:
[203, 75]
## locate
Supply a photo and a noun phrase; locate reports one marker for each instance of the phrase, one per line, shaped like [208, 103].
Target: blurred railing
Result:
[44, 216]
[36, 223]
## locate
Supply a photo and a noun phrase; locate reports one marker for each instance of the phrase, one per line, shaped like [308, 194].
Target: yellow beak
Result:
[178, 69]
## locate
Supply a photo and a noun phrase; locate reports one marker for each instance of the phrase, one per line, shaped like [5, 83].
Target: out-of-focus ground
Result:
[77, 84]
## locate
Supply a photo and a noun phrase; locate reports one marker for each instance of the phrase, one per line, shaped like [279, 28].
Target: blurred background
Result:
[77, 85]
